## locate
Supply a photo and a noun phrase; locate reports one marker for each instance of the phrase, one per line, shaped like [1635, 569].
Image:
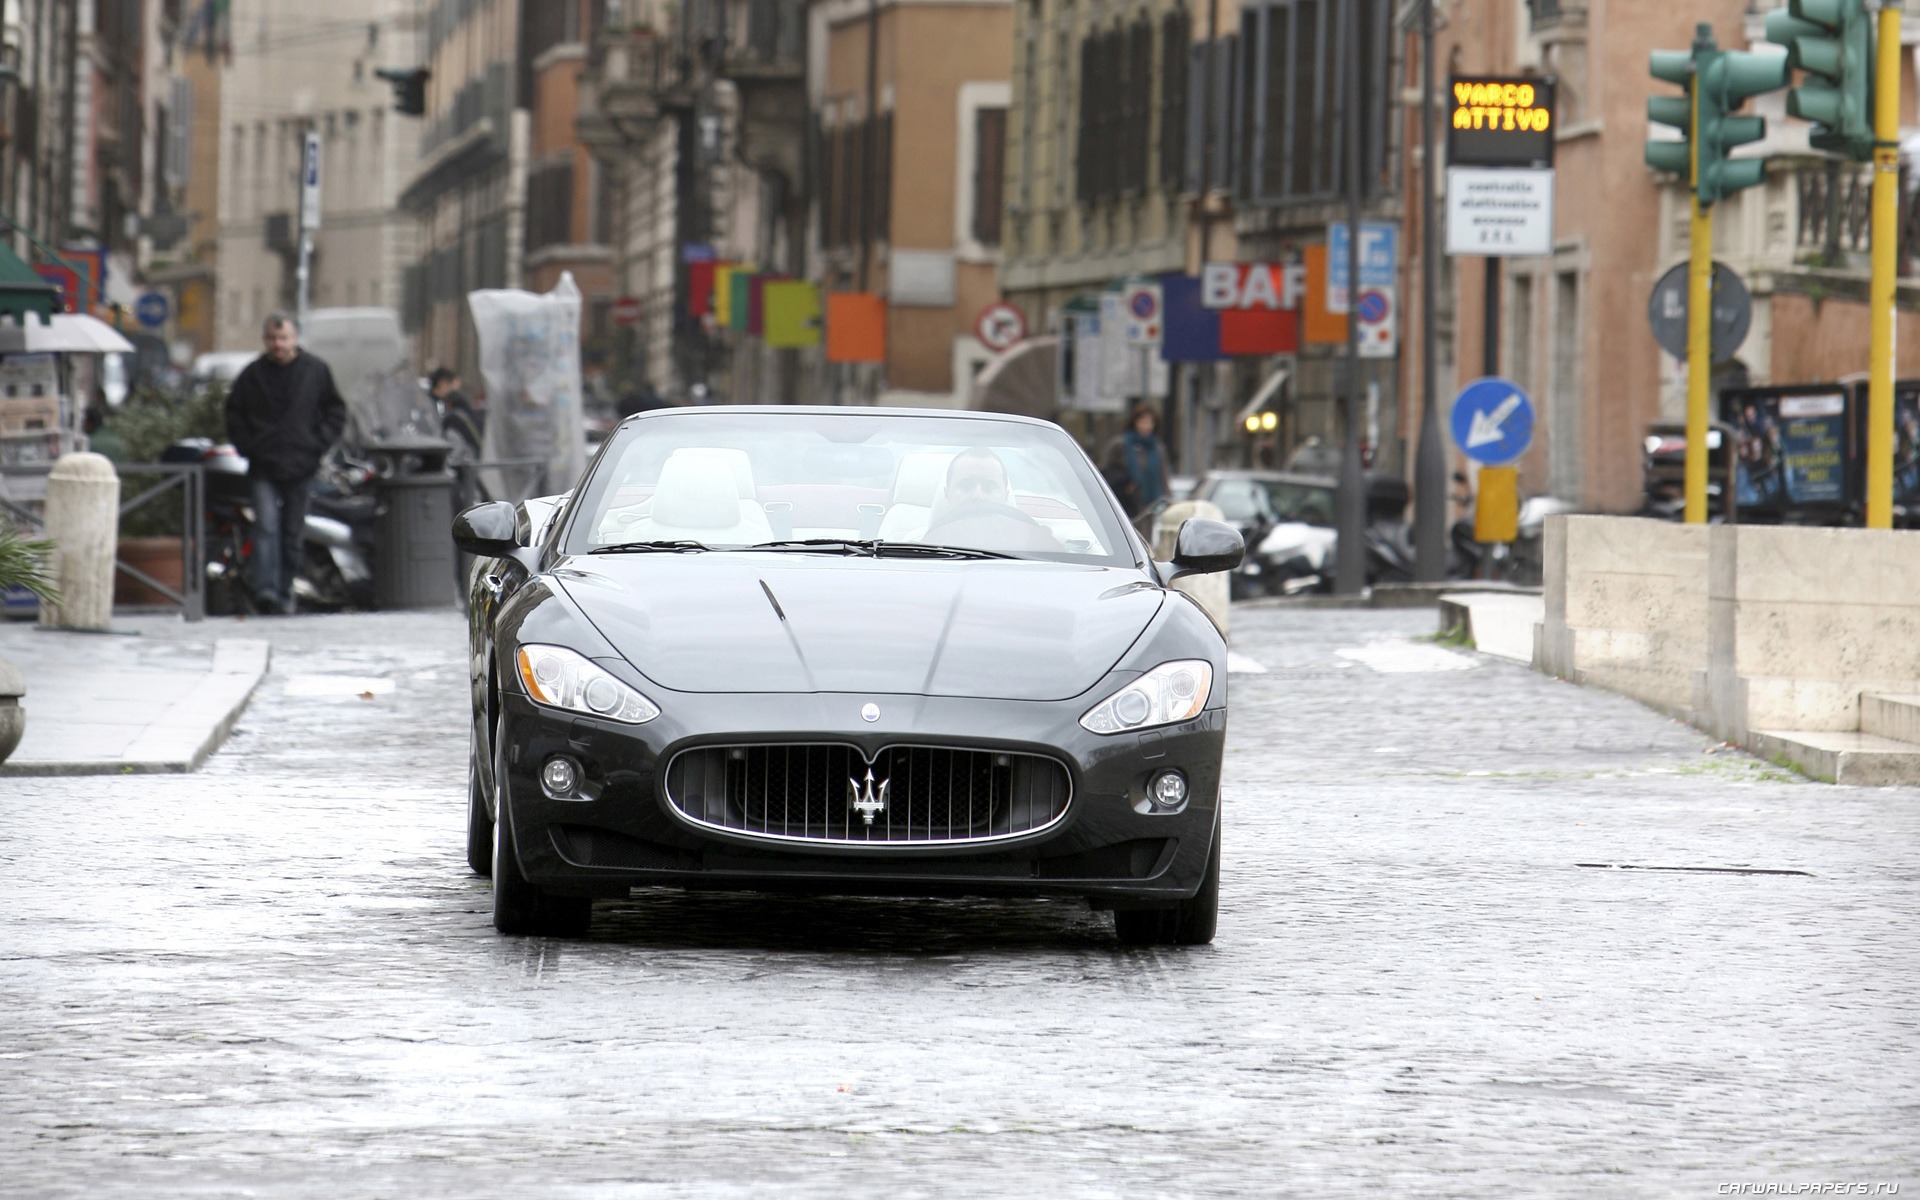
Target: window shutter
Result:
[989, 173]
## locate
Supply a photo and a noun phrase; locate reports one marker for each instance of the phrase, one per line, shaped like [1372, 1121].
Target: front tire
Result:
[518, 906]
[1187, 923]
[479, 823]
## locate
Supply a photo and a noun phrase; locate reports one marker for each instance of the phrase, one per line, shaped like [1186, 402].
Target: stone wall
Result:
[1735, 628]
[1626, 607]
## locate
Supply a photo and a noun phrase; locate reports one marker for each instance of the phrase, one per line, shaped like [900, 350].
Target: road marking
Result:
[337, 685]
[1406, 658]
[1240, 664]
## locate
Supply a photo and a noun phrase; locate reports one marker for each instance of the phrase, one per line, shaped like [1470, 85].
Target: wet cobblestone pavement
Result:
[277, 978]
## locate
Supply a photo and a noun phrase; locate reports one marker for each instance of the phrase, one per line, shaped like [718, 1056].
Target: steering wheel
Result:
[974, 510]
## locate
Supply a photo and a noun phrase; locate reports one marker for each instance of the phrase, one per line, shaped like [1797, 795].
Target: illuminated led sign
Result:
[1500, 122]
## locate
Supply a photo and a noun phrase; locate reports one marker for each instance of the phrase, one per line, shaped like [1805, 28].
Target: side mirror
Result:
[1203, 547]
[488, 530]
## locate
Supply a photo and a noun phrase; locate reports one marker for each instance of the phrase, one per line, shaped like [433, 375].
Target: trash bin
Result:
[413, 549]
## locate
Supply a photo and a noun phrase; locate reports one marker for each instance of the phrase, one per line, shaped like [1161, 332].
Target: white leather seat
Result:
[698, 499]
[917, 484]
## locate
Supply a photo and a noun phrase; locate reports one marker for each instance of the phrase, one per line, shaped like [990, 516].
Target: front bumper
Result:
[1111, 846]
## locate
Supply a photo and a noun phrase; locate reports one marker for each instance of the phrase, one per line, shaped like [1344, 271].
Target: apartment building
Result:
[292, 69]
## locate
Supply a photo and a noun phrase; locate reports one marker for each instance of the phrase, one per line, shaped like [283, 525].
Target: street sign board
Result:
[1379, 259]
[1000, 326]
[1267, 287]
[310, 183]
[1379, 326]
[627, 310]
[1732, 312]
[1501, 213]
[1144, 315]
[152, 309]
[1492, 421]
[1500, 122]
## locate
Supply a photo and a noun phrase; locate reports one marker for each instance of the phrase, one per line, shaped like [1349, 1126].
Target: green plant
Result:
[23, 563]
[147, 424]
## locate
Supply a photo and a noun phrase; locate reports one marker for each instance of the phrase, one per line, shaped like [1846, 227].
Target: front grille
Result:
[831, 793]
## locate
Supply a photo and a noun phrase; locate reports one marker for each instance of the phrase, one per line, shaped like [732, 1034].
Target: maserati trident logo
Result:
[869, 799]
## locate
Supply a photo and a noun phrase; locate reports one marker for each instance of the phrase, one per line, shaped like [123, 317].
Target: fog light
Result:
[561, 776]
[1168, 789]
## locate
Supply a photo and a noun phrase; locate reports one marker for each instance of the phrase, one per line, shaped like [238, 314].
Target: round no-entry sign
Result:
[1000, 326]
[627, 310]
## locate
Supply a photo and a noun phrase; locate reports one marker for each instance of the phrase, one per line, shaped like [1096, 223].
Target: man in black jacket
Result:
[283, 414]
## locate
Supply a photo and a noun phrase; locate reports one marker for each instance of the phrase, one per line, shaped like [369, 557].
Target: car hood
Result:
[745, 622]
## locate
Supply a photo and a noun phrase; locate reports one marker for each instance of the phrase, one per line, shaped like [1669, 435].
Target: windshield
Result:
[731, 480]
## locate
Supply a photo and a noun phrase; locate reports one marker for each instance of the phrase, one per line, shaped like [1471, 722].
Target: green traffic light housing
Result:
[1832, 42]
[1672, 66]
[1717, 82]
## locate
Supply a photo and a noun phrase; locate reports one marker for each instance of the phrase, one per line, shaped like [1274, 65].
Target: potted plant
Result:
[23, 564]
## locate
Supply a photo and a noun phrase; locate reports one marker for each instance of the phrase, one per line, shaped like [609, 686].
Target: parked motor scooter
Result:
[337, 547]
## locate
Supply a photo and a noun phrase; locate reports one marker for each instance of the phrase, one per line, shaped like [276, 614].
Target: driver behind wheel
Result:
[976, 508]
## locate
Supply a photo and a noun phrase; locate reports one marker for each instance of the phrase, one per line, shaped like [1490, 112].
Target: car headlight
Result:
[1171, 692]
[562, 678]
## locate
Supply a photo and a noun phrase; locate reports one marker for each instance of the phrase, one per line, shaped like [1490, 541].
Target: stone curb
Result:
[195, 725]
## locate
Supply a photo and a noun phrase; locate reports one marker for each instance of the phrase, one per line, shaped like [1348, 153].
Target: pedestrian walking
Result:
[1135, 463]
[283, 415]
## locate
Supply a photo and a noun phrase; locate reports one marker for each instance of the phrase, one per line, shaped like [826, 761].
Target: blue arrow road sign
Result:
[152, 309]
[1492, 421]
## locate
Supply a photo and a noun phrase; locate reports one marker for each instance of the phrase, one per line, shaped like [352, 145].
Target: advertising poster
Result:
[1793, 447]
[1906, 445]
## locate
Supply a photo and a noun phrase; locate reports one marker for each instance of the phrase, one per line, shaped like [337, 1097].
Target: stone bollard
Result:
[83, 523]
[1211, 592]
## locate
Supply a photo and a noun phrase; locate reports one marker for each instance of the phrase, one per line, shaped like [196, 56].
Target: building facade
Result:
[292, 70]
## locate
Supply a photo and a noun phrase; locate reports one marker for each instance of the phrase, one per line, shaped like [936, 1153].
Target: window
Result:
[1116, 113]
[1176, 49]
[1563, 416]
[989, 173]
[1520, 331]
[549, 206]
[1295, 134]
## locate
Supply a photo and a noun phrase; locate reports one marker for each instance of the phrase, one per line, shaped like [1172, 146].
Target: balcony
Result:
[765, 58]
[633, 79]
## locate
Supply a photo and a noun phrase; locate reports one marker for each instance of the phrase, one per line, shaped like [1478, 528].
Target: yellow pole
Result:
[1699, 335]
[1880, 306]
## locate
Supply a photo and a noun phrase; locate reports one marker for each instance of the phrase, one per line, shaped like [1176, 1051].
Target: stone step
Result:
[1840, 756]
[1891, 716]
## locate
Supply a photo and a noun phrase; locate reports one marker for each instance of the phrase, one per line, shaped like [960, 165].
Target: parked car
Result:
[842, 650]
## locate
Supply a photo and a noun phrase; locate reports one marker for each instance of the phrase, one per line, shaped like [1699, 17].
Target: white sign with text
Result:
[1499, 212]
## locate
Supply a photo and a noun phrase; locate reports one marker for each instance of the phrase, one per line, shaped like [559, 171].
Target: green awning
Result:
[22, 291]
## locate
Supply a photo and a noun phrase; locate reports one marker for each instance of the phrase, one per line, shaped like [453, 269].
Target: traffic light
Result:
[1832, 41]
[409, 89]
[1673, 66]
[1726, 78]
[1717, 82]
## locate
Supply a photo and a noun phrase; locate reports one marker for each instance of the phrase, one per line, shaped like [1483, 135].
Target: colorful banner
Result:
[791, 314]
[700, 287]
[856, 327]
[1192, 331]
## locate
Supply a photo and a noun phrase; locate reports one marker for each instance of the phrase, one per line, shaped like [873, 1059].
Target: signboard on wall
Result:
[1499, 121]
[1499, 212]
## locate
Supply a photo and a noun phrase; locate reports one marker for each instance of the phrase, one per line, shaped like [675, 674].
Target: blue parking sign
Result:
[1492, 421]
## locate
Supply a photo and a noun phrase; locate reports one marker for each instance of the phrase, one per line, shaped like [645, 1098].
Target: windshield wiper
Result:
[931, 550]
[843, 545]
[879, 548]
[679, 547]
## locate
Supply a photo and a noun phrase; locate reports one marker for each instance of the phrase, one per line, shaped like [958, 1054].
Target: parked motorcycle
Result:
[336, 553]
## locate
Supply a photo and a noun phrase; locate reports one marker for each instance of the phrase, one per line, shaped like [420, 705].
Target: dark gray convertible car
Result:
[842, 650]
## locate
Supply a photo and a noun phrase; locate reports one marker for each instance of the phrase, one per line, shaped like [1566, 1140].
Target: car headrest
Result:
[694, 493]
[920, 478]
[727, 459]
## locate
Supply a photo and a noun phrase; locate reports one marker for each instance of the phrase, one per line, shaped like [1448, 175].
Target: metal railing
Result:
[189, 480]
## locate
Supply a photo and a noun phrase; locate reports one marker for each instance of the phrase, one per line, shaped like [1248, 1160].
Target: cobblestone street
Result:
[276, 976]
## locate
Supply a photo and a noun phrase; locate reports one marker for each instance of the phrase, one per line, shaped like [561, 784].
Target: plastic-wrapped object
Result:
[530, 359]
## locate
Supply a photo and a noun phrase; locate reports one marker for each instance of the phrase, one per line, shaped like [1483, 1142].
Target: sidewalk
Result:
[124, 703]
